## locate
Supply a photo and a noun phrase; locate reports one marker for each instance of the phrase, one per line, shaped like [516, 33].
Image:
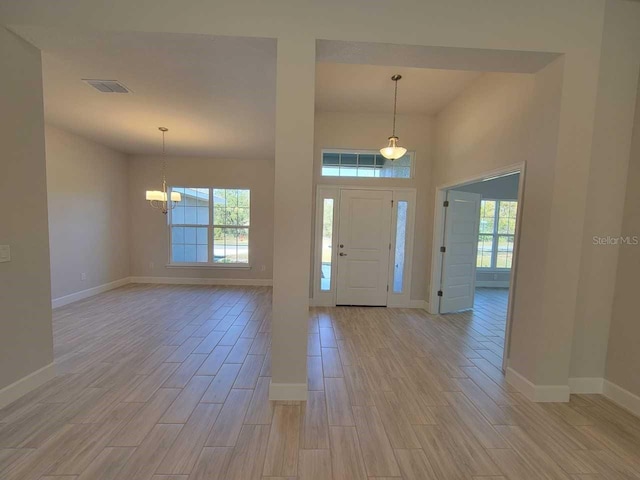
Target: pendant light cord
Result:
[164, 162]
[395, 106]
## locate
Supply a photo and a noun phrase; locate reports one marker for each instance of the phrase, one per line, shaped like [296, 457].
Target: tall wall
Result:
[500, 120]
[26, 342]
[88, 198]
[611, 144]
[149, 240]
[369, 132]
[623, 354]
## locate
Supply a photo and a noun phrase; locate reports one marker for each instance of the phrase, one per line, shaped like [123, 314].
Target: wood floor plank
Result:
[183, 454]
[214, 361]
[189, 397]
[338, 404]
[374, 443]
[314, 430]
[249, 372]
[260, 411]
[282, 449]
[346, 457]
[414, 465]
[229, 422]
[212, 464]
[247, 459]
[221, 384]
[314, 465]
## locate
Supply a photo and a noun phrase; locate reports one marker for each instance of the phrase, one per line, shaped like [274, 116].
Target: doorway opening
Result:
[476, 231]
[363, 246]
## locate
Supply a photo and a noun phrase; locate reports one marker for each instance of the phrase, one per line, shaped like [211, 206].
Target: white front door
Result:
[363, 247]
[462, 220]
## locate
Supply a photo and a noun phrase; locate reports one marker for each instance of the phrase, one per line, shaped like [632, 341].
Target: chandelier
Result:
[159, 199]
[393, 151]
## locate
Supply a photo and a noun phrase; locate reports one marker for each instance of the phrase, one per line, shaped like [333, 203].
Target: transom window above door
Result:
[365, 164]
[210, 227]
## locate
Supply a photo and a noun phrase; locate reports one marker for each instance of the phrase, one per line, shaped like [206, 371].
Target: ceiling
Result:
[369, 89]
[215, 94]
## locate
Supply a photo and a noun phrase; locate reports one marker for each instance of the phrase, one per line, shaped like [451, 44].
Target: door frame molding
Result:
[438, 235]
[324, 298]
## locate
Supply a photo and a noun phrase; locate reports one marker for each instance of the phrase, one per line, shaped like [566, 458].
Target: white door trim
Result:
[328, 298]
[438, 235]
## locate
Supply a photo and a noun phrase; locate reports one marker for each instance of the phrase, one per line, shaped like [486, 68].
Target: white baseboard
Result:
[89, 292]
[586, 385]
[537, 393]
[12, 392]
[254, 282]
[622, 397]
[288, 391]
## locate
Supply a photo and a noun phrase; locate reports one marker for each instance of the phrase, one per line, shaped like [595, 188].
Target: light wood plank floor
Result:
[171, 383]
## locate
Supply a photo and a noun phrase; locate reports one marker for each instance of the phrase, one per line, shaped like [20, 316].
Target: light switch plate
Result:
[5, 253]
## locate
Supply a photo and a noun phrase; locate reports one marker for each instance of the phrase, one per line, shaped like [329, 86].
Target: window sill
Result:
[229, 266]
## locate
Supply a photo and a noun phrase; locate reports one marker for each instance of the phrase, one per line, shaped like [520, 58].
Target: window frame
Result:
[495, 236]
[411, 154]
[210, 233]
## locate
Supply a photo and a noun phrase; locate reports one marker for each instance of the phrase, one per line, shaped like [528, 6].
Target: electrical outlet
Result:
[263, 268]
[152, 265]
[83, 276]
[5, 253]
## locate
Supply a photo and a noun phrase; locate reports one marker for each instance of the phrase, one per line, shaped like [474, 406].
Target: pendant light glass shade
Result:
[162, 196]
[393, 151]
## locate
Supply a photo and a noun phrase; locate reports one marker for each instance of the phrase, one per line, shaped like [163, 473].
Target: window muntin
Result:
[364, 164]
[496, 235]
[210, 226]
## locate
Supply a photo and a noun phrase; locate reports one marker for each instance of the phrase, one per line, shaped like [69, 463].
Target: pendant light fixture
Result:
[158, 199]
[393, 151]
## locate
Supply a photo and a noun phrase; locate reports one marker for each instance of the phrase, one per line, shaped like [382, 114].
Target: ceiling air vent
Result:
[107, 86]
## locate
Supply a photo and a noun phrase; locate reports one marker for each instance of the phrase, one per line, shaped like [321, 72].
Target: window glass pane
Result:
[348, 159]
[401, 234]
[190, 217]
[487, 216]
[327, 235]
[485, 250]
[188, 243]
[230, 245]
[367, 164]
[177, 253]
[190, 235]
[504, 254]
[177, 234]
[177, 214]
[202, 214]
[190, 254]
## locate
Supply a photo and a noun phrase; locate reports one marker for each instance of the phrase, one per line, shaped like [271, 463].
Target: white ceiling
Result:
[369, 89]
[215, 94]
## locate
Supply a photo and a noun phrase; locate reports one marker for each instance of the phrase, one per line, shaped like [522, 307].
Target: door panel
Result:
[461, 241]
[363, 247]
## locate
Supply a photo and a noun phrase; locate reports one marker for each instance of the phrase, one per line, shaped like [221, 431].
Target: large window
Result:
[368, 164]
[210, 226]
[497, 231]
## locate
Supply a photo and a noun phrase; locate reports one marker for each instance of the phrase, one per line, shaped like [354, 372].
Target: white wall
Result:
[149, 237]
[370, 132]
[26, 342]
[88, 198]
[623, 354]
[501, 120]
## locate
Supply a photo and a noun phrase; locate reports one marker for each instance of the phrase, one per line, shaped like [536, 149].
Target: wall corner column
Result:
[295, 98]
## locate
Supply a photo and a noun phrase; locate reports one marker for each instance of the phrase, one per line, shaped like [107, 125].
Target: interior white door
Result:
[364, 238]
[462, 221]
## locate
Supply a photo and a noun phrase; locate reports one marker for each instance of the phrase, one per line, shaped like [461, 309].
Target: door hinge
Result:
[387, 288]
[443, 249]
[389, 246]
[445, 203]
[439, 293]
[391, 203]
